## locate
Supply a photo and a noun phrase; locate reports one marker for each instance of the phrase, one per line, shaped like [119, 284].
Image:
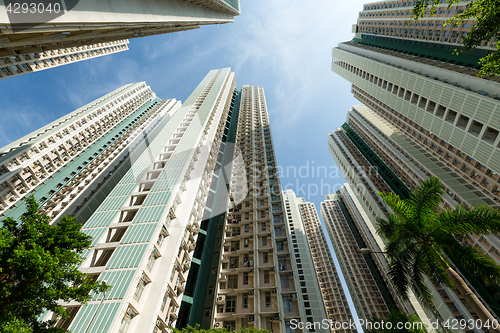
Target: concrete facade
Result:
[34, 62]
[90, 22]
[304, 220]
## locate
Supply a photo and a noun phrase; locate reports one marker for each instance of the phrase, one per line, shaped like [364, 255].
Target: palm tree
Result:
[420, 237]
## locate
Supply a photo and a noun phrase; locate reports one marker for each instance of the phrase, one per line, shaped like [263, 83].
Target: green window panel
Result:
[85, 254]
[446, 96]
[167, 174]
[469, 145]
[149, 214]
[157, 198]
[427, 121]
[139, 233]
[427, 88]
[436, 125]
[457, 101]
[494, 162]
[470, 105]
[139, 168]
[128, 178]
[120, 280]
[411, 82]
[457, 137]
[404, 108]
[436, 92]
[419, 85]
[164, 185]
[95, 233]
[233, 3]
[126, 256]
[446, 131]
[483, 152]
[484, 111]
[122, 189]
[412, 112]
[99, 323]
[113, 203]
[101, 219]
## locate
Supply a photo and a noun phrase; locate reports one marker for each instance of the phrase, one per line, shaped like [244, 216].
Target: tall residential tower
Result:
[77, 23]
[320, 268]
[184, 207]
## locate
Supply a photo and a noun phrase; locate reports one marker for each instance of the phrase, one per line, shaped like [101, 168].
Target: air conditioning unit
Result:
[250, 319]
[218, 324]
[221, 299]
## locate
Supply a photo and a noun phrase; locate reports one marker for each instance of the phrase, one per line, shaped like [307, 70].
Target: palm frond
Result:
[462, 220]
[426, 198]
[388, 228]
[400, 207]
[399, 267]
[471, 258]
[434, 269]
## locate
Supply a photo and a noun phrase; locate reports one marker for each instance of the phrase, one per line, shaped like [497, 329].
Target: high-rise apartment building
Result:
[183, 204]
[425, 113]
[257, 274]
[345, 225]
[318, 265]
[306, 226]
[389, 21]
[67, 24]
[34, 62]
[366, 175]
[71, 164]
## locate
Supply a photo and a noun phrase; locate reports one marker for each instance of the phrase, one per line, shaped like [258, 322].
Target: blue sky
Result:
[283, 46]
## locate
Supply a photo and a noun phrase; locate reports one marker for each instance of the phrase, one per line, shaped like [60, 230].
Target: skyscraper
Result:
[258, 273]
[425, 113]
[71, 164]
[73, 23]
[34, 62]
[319, 268]
[345, 225]
[367, 174]
[183, 204]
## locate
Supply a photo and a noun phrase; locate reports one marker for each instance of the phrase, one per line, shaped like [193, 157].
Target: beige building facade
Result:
[318, 266]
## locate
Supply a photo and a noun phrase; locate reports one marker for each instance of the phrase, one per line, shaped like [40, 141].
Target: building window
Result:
[230, 303]
[287, 304]
[232, 281]
[140, 288]
[266, 277]
[267, 297]
[244, 301]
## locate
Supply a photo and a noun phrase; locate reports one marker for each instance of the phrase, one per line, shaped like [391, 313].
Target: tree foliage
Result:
[39, 267]
[486, 14]
[420, 236]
